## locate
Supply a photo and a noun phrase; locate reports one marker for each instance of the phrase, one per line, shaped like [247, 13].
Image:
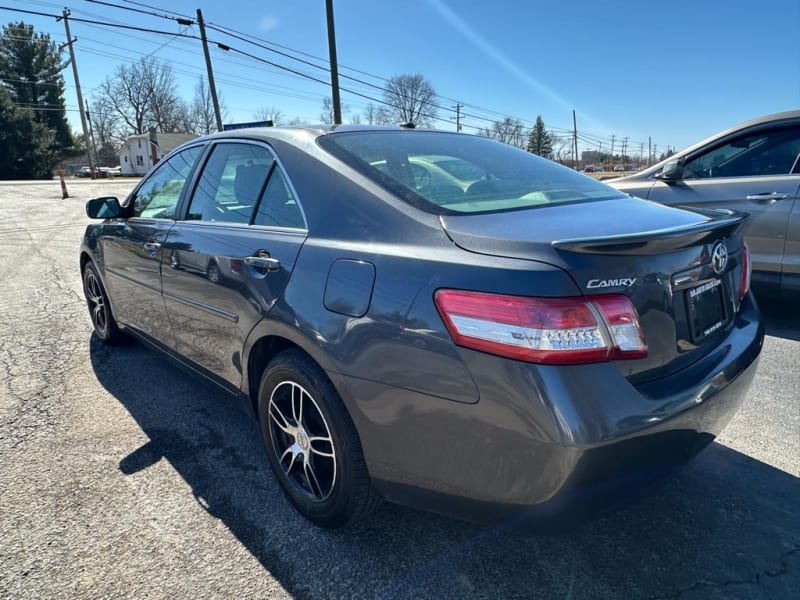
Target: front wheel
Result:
[312, 444]
[105, 327]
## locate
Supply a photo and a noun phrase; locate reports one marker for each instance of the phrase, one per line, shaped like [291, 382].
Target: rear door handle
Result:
[152, 246]
[767, 197]
[270, 264]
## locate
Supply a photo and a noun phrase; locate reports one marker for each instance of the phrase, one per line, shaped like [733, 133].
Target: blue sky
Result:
[674, 72]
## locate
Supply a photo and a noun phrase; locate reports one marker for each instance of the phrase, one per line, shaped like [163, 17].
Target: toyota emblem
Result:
[719, 257]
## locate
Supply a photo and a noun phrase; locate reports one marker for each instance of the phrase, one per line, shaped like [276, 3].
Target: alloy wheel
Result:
[97, 303]
[302, 441]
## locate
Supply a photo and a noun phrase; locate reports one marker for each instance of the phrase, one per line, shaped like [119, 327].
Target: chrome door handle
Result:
[271, 264]
[152, 246]
[770, 196]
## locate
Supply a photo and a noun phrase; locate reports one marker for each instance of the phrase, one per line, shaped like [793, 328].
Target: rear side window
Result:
[231, 183]
[447, 173]
[278, 206]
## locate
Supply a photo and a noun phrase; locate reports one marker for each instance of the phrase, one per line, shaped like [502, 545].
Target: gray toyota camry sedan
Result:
[431, 318]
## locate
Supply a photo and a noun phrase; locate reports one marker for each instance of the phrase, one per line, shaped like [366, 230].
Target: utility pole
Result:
[611, 156]
[457, 108]
[91, 134]
[337, 104]
[70, 41]
[641, 153]
[211, 85]
[624, 148]
[575, 137]
[649, 150]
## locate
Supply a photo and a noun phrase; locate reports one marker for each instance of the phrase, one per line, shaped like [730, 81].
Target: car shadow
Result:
[781, 319]
[726, 526]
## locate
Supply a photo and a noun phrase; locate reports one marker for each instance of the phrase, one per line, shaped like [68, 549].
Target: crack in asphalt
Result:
[756, 579]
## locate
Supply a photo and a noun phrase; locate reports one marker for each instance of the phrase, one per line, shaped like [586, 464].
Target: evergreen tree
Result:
[25, 144]
[539, 140]
[30, 70]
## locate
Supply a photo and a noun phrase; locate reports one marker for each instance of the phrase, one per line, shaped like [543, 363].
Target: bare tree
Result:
[202, 118]
[376, 115]
[170, 113]
[269, 114]
[128, 98]
[105, 126]
[143, 95]
[410, 99]
[326, 116]
[371, 114]
[563, 150]
[509, 131]
[104, 123]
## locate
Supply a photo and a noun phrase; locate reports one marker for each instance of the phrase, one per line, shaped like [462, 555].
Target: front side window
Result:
[766, 153]
[446, 173]
[231, 183]
[157, 197]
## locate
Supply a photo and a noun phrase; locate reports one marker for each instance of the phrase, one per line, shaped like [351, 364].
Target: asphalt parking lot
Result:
[120, 476]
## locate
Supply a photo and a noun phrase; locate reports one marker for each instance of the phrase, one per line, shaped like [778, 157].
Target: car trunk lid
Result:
[658, 256]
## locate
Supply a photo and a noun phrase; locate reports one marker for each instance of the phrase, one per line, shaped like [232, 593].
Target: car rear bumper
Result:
[549, 442]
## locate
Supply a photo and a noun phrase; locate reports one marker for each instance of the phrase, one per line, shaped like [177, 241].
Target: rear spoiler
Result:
[721, 224]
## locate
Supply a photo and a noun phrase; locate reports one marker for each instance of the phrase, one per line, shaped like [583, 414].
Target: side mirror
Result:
[672, 171]
[106, 207]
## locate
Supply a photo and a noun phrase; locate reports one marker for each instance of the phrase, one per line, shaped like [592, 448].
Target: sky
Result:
[669, 74]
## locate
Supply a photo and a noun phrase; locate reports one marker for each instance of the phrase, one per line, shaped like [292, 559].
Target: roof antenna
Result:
[408, 125]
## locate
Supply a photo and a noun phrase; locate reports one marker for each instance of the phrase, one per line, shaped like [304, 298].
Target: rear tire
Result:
[105, 326]
[312, 444]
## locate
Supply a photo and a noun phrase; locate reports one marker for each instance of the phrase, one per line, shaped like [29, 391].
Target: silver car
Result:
[754, 168]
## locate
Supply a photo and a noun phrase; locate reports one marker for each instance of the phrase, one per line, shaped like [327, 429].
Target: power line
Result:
[145, 12]
[193, 71]
[249, 39]
[183, 36]
[154, 8]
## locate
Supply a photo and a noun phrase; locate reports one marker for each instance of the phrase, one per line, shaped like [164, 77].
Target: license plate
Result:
[706, 309]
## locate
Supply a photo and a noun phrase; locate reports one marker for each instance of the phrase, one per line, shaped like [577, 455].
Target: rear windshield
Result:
[449, 173]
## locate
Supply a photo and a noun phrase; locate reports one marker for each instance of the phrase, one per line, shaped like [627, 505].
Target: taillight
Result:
[744, 284]
[554, 331]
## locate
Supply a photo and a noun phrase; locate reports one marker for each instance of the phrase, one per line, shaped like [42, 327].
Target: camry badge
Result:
[610, 283]
[719, 257]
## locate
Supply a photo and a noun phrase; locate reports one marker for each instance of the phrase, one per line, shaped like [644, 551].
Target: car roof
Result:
[295, 132]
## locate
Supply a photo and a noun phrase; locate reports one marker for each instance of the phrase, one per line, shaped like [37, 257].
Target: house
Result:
[140, 152]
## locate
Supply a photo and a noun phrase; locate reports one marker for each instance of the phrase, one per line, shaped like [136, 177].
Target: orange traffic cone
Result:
[64, 192]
